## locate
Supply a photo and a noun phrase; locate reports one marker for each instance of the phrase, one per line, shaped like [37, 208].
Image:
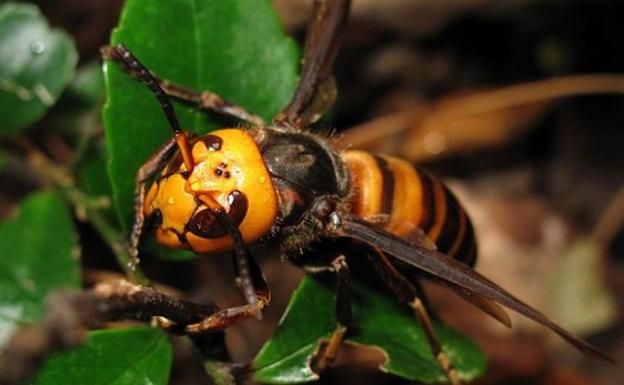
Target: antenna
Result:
[139, 70]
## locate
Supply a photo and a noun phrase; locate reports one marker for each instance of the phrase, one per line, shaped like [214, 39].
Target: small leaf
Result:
[37, 254]
[36, 64]
[235, 48]
[380, 323]
[579, 294]
[112, 357]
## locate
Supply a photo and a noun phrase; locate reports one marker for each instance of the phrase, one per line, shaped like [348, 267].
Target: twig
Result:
[69, 314]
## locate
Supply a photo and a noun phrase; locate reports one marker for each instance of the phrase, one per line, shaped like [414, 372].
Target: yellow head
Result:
[228, 170]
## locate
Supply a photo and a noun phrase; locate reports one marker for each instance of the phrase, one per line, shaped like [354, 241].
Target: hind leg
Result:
[412, 295]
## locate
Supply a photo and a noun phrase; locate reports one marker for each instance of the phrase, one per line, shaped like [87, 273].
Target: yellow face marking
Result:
[174, 202]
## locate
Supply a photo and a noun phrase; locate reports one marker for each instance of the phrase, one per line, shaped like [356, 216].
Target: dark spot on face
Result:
[212, 142]
[221, 170]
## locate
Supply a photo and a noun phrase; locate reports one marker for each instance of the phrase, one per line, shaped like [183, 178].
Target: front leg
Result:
[254, 288]
[249, 276]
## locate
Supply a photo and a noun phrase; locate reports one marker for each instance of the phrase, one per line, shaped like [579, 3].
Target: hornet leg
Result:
[328, 349]
[412, 296]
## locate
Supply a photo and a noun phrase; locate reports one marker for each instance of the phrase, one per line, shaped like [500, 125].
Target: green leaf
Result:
[578, 292]
[38, 253]
[235, 48]
[380, 323]
[112, 357]
[36, 64]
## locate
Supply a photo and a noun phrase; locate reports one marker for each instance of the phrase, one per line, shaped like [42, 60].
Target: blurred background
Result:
[541, 172]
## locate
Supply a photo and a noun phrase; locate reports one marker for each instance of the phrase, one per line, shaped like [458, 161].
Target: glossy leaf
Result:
[38, 253]
[380, 323]
[36, 64]
[235, 48]
[112, 357]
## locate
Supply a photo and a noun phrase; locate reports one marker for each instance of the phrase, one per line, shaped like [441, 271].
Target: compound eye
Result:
[212, 142]
[238, 206]
[154, 220]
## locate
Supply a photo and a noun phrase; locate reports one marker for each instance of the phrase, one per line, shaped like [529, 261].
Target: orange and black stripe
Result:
[409, 202]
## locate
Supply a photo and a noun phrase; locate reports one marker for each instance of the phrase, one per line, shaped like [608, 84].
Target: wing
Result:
[486, 305]
[321, 46]
[454, 272]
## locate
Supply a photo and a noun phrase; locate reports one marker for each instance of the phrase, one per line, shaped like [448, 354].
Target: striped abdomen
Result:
[409, 202]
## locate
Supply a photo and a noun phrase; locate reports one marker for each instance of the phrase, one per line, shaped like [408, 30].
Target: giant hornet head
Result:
[226, 170]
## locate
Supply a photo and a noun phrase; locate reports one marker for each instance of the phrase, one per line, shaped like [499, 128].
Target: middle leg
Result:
[328, 349]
